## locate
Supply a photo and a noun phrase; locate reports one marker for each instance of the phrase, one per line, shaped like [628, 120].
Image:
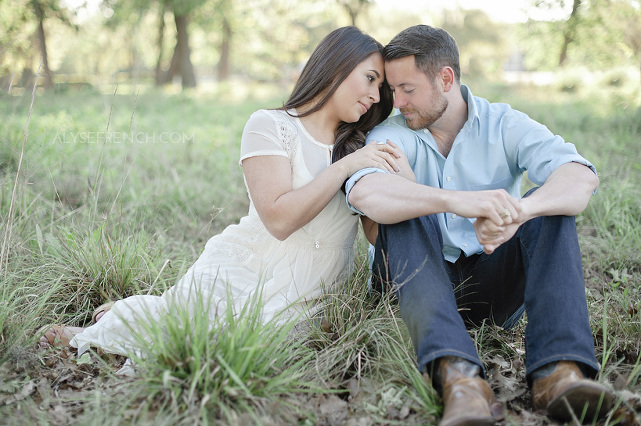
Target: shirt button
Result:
[453, 216]
[449, 178]
[465, 245]
[426, 131]
[317, 245]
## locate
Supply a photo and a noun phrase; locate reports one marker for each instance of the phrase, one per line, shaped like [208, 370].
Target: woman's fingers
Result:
[388, 146]
[384, 155]
[389, 161]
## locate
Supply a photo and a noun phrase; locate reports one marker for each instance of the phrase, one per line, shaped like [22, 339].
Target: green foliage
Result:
[21, 304]
[481, 43]
[603, 34]
[230, 364]
[97, 266]
[17, 23]
[101, 220]
[362, 338]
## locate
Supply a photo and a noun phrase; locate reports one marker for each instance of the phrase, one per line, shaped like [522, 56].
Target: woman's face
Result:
[359, 91]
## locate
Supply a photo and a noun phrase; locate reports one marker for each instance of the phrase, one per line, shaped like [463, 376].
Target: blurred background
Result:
[140, 44]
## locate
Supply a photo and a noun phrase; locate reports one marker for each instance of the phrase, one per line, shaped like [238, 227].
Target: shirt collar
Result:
[472, 109]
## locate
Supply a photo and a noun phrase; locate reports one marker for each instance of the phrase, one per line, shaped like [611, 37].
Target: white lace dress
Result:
[245, 256]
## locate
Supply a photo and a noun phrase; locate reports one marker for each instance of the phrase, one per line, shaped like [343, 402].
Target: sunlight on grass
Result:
[228, 366]
[118, 192]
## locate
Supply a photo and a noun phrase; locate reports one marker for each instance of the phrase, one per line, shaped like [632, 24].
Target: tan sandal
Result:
[101, 310]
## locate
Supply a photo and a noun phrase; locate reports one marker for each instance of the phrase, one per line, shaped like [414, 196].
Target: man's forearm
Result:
[389, 199]
[565, 193]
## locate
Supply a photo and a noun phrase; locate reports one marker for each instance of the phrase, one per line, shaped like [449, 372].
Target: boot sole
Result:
[588, 401]
[472, 421]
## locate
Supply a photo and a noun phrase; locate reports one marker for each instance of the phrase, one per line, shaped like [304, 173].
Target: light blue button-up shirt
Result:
[493, 150]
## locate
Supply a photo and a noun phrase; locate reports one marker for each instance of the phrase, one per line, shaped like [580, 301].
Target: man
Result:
[461, 246]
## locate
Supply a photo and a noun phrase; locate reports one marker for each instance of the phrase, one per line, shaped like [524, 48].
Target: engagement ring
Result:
[505, 214]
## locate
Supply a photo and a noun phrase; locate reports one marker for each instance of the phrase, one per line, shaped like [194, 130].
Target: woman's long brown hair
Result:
[335, 57]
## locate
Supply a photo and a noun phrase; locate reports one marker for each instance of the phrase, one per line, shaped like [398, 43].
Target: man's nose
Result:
[399, 101]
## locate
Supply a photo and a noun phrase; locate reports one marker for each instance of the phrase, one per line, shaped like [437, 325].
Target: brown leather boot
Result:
[566, 392]
[468, 400]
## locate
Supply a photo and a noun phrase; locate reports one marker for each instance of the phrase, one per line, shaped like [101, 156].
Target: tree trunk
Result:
[48, 77]
[353, 10]
[160, 42]
[27, 77]
[225, 47]
[568, 36]
[182, 46]
[174, 68]
[353, 14]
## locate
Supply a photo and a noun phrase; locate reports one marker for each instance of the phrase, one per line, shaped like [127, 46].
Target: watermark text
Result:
[105, 137]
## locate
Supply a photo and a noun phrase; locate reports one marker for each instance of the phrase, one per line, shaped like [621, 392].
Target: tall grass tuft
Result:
[235, 364]
[79, 236]
[94, 266]
[21, 304]
[362, 339]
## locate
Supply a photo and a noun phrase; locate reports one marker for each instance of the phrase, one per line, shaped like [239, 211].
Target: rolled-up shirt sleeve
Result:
[537, 150]
[355, 178]
[387, 130]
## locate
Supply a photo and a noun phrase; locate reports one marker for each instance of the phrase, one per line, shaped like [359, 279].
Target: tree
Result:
[23, 22]
[15, 39]
[225, 13]
[570, 31]
[605, 34]
[220, 19]
[38, 8]
[623, 17]
[182, 52]
[354, 8]
[479, 39]
[181, 58]
[180, 63]
[158, 77]
[568, 28]
[605, 23]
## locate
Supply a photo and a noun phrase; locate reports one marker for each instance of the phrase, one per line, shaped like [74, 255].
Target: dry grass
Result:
[89, 220]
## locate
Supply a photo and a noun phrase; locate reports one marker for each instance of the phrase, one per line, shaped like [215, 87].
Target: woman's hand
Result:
[403, 164]
[380, 155]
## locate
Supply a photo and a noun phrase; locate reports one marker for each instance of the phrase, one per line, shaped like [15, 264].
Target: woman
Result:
[299, 233]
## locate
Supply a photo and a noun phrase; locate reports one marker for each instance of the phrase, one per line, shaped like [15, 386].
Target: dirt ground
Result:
[52, 387]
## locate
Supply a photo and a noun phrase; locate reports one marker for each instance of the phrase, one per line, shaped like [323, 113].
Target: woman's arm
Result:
[284, 210]
[370, 229]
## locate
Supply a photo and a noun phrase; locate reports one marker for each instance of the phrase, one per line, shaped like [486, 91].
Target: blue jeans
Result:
[539, 269]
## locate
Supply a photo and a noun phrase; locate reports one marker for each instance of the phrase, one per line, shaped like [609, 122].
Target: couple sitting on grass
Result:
[437, 189]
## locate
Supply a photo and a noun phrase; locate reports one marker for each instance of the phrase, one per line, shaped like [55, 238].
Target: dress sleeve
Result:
[262, 136]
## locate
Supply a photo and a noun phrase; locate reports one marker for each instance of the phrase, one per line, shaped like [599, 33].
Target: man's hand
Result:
[497, 206]
[491, 235]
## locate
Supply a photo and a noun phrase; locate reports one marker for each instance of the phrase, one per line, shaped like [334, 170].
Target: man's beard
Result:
[423, 118]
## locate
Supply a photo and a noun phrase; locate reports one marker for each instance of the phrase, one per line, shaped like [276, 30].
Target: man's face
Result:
[420, 100]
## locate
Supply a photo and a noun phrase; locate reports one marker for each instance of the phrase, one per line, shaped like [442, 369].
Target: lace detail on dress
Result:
[236, 252]
[287, 132]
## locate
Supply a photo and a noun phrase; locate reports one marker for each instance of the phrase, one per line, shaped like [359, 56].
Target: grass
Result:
[117, 193]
